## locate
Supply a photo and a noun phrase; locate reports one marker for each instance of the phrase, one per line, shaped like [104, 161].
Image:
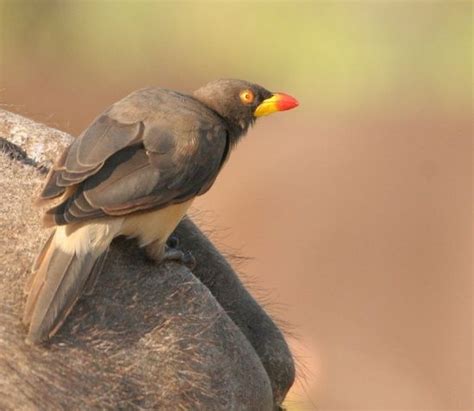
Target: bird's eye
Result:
[246, 97]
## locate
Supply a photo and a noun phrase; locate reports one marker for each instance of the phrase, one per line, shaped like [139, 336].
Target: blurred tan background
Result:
[356, 208]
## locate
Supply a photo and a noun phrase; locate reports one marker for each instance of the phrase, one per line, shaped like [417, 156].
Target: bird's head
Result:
[241, 102]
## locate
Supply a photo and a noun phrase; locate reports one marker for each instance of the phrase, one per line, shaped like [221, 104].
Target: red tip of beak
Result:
[285, 102]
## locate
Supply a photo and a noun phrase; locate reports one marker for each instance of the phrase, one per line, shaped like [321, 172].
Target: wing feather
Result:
[172, 152]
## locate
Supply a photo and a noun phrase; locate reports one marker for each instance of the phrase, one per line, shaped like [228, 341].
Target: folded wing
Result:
[152, 149]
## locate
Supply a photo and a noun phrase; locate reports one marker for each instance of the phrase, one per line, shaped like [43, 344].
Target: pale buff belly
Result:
[154, 225]
[95, 236]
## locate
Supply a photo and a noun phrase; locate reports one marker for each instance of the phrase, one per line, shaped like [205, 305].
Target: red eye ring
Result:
[246, 96]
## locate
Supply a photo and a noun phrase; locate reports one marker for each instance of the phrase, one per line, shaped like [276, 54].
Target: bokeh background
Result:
[355, 210]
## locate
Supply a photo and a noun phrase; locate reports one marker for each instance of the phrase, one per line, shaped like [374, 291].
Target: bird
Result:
[134, 172]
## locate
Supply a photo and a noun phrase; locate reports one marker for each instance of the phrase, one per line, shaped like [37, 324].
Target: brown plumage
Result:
[133, 172]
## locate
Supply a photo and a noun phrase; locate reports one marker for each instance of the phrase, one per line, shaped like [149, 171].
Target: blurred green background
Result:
[356, 208]
[333, 55]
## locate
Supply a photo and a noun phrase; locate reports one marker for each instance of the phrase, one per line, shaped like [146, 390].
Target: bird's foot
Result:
[159, 252]
[172, 254]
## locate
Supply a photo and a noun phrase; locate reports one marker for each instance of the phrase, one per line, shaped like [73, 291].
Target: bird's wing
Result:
[118, 127]
[171, 154]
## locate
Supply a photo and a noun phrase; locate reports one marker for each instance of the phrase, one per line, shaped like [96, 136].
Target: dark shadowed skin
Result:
[257, 326]
[134, 172]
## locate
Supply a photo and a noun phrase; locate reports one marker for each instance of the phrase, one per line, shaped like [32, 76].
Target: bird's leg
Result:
[173, 241]
[173, 254]
[161, 252]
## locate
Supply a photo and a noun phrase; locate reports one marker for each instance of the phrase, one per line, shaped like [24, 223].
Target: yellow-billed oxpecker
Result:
[135, 171]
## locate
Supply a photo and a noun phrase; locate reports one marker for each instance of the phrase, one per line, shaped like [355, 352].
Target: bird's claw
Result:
[186, 258]
[189, 260]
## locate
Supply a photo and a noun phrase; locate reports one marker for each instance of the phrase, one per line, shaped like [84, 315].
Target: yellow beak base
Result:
[277, 102]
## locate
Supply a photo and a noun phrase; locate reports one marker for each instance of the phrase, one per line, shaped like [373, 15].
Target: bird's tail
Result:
[67, 267]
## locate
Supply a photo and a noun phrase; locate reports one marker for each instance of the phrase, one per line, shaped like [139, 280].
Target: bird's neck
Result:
[236, 127]
[237, 130]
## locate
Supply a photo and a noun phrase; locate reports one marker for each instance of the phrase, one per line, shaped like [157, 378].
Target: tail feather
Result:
[36, 265]
[60, 278]
[94, 275]
[43, 252]
[36, 284]
[68, 274]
